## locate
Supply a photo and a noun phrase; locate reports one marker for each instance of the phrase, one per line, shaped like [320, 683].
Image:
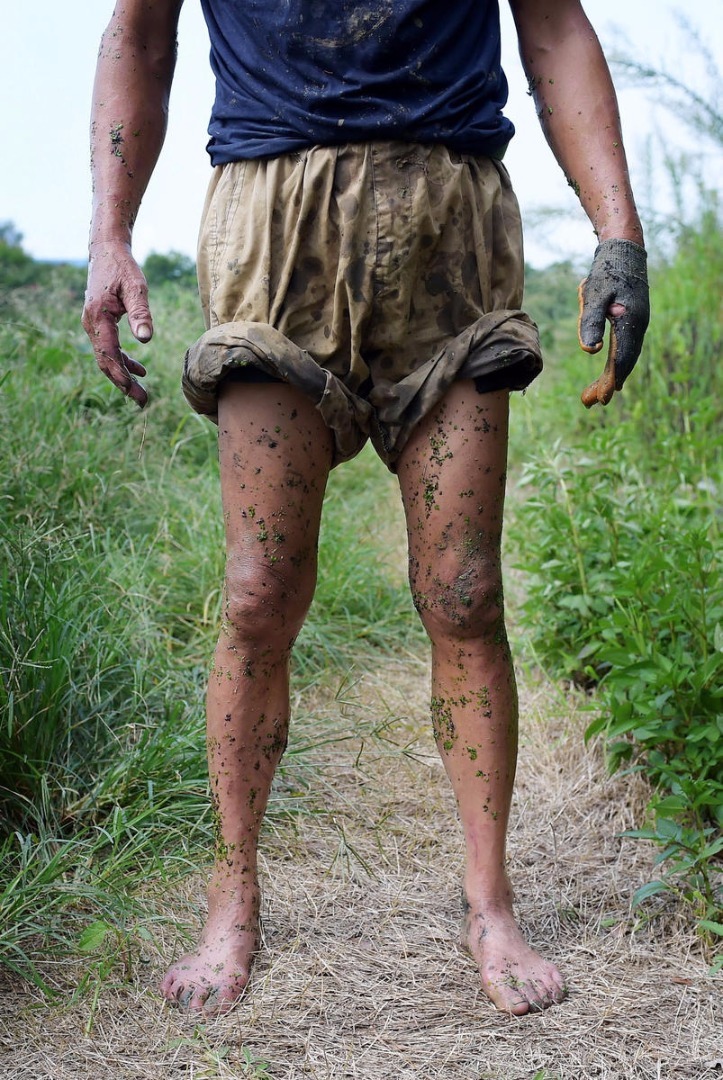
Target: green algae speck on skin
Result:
[116, 140]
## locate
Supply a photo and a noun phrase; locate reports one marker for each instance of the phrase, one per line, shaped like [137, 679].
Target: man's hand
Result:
[116, 287]
[616, 289]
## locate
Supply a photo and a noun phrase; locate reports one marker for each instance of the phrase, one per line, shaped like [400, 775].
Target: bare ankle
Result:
[488, 891]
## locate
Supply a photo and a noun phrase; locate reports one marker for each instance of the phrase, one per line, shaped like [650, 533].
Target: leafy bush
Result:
[172, 267]
[662, 706]
[24, 280]
[664, 644]
[618, 535]
[624, 592]
[567, 534]
[677, 383]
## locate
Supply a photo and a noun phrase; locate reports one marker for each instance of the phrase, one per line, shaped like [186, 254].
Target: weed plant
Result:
[111, 561]
[618, 534]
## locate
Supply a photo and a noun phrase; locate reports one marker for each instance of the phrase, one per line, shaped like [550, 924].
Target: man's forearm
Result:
[130, 110]
[129, 115]
[577, 107]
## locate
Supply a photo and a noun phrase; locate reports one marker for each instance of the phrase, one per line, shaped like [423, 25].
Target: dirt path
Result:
[360, 975]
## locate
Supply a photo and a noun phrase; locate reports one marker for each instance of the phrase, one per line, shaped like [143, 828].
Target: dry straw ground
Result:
[360, 975]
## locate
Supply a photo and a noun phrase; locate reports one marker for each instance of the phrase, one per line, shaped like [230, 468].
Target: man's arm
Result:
[577, 107]
[128, 125]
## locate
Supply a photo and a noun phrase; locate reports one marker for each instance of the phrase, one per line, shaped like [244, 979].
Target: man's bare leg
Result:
[452, 476]
[275, 454]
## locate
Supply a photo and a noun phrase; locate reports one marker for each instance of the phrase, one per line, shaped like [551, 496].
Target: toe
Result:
[546, 992]
[197, 1001]
[538, 996]
[554, 986]
[222, 999]
[520, 998]
[174, 980]
[220, 1002]
[507, 997]
[174, 990]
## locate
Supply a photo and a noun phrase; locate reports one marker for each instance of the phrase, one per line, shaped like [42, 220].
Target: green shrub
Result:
[617, 533]
[572, 533]
[171, 267]
[623, 588]
[676, 386]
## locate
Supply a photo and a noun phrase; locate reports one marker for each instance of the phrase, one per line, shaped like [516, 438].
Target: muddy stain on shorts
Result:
[370, 276]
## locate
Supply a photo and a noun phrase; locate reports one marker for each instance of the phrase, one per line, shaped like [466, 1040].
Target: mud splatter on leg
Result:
[275, 453]
[456, 581]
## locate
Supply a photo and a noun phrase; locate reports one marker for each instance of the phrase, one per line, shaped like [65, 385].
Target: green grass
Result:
[111, 546]
[111, 562]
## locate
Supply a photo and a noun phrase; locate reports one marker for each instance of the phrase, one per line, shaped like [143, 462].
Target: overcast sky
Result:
[45, 85]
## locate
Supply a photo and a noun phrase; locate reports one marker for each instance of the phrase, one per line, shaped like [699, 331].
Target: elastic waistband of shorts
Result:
[388, 146]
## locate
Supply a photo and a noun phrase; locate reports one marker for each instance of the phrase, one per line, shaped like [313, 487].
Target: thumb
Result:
[142, 328]
[140, 320]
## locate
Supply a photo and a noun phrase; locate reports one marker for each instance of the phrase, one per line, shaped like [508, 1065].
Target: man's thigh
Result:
[275, 456]
[452, 475]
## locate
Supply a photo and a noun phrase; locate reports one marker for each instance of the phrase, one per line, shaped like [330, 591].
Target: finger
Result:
[602, 390]
[134, 366]
[599, 392]
[116, 365]
[136, 392]
[628, 343]
[143, 332]
[101, 326]
[589, 395]
[117, 370]
[606, 385]
[141, 326]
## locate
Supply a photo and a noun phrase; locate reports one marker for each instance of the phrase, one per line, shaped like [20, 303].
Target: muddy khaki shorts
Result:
[370, 276]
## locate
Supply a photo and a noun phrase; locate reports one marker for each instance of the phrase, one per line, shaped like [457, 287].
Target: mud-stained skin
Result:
[452, 476]
[515, 978]
[275, 454]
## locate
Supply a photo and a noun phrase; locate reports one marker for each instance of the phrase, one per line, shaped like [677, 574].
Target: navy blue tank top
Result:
[297, 73]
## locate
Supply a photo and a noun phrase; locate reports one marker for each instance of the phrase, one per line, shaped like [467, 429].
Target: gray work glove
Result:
[615, 289]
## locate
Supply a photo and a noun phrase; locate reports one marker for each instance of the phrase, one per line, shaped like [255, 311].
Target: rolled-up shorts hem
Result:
[369, 276]
[501, 343]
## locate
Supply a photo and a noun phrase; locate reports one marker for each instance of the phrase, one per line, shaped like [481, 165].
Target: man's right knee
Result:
[265, 604]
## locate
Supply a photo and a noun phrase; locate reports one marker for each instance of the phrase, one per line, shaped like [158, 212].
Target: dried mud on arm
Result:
[129, 114]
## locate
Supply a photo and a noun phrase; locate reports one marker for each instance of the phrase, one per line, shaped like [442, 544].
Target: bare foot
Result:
[515, 978]
[213, 978]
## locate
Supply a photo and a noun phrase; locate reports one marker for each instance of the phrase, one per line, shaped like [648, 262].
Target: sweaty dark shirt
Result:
[297, 73]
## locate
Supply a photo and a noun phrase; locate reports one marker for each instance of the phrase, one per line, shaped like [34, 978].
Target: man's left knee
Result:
[459, 600]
